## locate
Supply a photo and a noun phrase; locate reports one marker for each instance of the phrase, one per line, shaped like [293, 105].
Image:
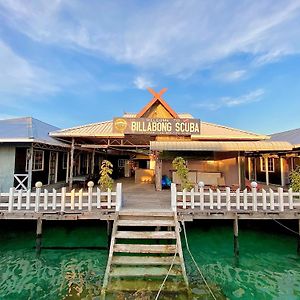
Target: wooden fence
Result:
[43, 200]
[239, 200]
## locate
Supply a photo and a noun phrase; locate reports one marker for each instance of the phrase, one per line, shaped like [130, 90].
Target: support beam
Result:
[282, 171]
[38, 236]
[158, 172]
[241, 170]
[93, 162]
[30, 164]
[68, 167]
[249, 169]
[109, 232]
[72, 163]
[267, 169]
[236, 247]
[255, 169]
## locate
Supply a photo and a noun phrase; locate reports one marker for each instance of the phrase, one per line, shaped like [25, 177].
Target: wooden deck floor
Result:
[143, 196]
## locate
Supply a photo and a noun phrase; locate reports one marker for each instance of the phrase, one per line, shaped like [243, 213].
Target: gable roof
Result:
[209, 131]
[157, 98]
[291, 136]
[27, 129]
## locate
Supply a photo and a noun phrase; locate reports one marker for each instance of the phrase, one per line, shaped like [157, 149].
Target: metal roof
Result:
[209, 131]
[101, 129]
[221, 146]
[291, 136]
[27, 129]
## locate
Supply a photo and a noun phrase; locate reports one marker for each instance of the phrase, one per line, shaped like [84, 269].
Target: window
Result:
[37, 160]
[121, 163]
[65, 161]
[271, 164]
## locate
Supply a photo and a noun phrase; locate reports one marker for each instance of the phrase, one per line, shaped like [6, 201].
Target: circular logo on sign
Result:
[120, 125]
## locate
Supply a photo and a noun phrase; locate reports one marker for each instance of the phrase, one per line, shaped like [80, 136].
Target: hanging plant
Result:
[105, 181]
[179, 164]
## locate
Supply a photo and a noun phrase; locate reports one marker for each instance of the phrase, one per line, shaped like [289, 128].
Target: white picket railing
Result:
[44, 200]
[239, 200]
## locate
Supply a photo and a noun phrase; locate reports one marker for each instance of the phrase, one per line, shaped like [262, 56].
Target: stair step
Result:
[142, 271]
[145, 260]
[154, 213]
[145, 235]
[143, 285]
[141, 248]
[146, 223]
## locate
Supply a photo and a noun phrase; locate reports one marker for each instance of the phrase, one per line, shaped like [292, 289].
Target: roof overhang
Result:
[221, 146]
[199, 137]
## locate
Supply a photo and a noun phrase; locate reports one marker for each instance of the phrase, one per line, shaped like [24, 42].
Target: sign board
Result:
[156, 126]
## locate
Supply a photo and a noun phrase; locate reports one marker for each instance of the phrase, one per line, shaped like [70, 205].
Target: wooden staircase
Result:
[144, 245]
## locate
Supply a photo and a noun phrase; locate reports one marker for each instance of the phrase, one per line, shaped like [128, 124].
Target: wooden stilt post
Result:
[71, 164]
[38, 236]
[30, 163]
[109, 232]
[236, 237]
[298, 246]
[93, 162]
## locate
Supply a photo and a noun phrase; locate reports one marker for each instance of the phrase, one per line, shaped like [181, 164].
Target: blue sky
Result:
[234, 63]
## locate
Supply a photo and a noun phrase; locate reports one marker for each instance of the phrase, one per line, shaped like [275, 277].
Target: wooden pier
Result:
[145, 241]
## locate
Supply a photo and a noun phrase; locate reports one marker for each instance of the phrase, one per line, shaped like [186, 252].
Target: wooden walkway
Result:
[144, 245]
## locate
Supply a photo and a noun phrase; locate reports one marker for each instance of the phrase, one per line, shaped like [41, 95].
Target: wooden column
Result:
[68, 167]
[282, 171]
[241, 170]
[38, 236]
[249, 168]
[93, 162]
[236, 247]
[255, 171]
[267, 169]
[30, 164]
[158, 172]
[71, 163]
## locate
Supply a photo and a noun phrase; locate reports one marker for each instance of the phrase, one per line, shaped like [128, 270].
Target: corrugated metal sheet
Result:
[27, 129]
[221, 146]
[291, 136]
[101, 129]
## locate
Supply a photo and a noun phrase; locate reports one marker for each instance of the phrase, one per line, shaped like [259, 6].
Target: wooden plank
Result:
[146, 223]
[290, 198]
[11, 199]
[144, 248]
[218, 199]
[228, 204]
[145, 235]
[80, 194]
[184, 198]
[264, 199]
[54, 195]
[146, 213]
[143, 272]
[129, 285]
[98, 197]
[19, 200]
[109, 198]
[28, 199]
[63, 199]
[238, 199]
[145, 260]
[72, 199]
[192, 198]
[45, 199]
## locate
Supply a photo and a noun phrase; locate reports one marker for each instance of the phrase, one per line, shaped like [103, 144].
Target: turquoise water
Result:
[268, 267]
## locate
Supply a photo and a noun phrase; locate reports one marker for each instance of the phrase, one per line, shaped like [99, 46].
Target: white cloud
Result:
[142, 83]
[231, 76]
[183, 37]
[20, 77]
[251, 97]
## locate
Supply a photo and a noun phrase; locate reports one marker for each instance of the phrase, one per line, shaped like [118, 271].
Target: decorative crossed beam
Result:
[157, 95]
[21, 181]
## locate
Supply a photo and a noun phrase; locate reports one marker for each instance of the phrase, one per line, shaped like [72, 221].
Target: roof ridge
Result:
[82, 126]
[233, 129]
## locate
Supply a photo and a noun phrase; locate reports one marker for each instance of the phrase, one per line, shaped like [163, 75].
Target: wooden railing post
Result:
[11, 199]
[38, 186]
[173, 197]
[119, 196]
[201, 186]
[63, 198]
[90, 194]
[280, 198]
[254, 195]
